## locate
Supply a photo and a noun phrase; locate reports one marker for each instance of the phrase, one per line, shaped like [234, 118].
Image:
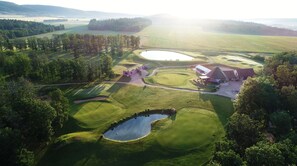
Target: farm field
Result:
[176, 139]
[190, 38]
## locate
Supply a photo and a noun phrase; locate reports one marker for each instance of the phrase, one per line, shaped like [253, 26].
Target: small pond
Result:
[165, 56]
[133, 128]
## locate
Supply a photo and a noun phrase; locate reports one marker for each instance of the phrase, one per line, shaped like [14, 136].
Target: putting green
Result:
[191, 129]
[179, 78]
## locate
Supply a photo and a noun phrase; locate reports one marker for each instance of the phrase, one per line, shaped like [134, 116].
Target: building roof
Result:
[230, 74]
[245, 73]
[203, 77]
[202, 68]
[217, 73]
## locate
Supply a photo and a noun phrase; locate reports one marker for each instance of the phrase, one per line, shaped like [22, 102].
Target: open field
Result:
[179, 78]
[188, 138]
[189, 37]
[192, 38]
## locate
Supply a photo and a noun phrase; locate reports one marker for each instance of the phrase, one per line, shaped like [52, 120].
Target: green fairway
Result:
[181, 134]
[186, 139]
[180, 78]
[236, 61]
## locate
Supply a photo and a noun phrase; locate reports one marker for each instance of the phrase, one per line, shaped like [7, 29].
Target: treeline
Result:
[28, 122]
[56, 20]
[41, 69]
[121, 24]
[10, 29]
[263, 130]
[249, 28]
[76, 43]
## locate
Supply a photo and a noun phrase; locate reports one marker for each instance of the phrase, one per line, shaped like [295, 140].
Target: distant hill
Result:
[11, 29]
[120, 25]
[226, 26]
[289, 23]
[12, 8]
[248, 28]
[54, 11]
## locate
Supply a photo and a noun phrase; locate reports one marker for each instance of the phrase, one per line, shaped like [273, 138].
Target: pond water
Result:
[133, 128]
[165, 56]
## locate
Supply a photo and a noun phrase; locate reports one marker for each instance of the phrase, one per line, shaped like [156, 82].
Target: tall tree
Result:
[61, 105]
[243, 130]
[264, 154]
[257, 93]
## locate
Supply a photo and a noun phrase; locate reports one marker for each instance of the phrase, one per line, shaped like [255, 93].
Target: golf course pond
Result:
[133, 128]
[165, 56]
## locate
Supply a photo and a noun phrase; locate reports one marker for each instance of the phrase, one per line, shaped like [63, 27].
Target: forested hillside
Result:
[16, 62]
[224, 26]
[249, 28]
[56, 11]
[262, 131]
[122, 24]
[31, 114]
[14, 28]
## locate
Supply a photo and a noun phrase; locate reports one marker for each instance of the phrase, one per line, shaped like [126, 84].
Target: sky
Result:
[215, 9]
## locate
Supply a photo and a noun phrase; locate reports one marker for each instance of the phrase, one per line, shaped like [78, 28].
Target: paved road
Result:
[137, 80]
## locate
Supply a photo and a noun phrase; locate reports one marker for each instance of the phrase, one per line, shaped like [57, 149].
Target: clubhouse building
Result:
[219, 75]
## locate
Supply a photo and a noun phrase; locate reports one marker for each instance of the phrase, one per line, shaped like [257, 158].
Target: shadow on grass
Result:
[72, 125]
[118, 85]
[222, 106]
[117, 60]
[108, 153]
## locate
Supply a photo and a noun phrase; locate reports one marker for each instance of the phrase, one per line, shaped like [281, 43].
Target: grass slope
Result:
[180, 78]
[186, 139]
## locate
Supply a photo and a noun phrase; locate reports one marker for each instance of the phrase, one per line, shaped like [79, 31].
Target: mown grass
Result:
[236, 61]
[186, 139]
[179, 78]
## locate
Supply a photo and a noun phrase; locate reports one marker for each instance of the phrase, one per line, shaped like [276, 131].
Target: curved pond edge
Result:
[147, 112]
[166, 50]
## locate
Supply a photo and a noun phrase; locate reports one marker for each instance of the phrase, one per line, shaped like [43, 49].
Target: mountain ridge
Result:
[55, 11]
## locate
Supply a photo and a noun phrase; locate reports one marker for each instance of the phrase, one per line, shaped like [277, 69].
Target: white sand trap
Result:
[165, 56]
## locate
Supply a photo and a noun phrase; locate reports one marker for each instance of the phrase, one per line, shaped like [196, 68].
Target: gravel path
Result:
[101, 98]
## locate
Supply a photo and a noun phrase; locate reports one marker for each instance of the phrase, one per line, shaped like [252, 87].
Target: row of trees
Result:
[10, 29]
[263, 129]
[76, 43]
[26, 121]
[121, 24]
[240, 27]
[40, 68]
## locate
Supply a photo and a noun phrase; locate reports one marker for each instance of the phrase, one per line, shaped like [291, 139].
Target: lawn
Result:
[179, 78]
[186, 139]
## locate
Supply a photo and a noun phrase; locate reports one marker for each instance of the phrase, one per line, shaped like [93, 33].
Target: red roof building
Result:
[245, 73]
[218, 75]
[231, 75]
